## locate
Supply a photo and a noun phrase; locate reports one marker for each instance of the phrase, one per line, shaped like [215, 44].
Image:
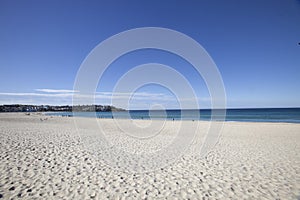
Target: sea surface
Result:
[291, 115]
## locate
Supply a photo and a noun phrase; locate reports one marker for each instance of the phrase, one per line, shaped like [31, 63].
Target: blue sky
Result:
[253, 43]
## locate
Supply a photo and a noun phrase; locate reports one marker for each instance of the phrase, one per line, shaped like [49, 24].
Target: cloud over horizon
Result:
[138, 100]
[55, 91]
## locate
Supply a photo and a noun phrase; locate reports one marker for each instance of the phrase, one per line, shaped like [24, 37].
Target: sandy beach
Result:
[43, 157]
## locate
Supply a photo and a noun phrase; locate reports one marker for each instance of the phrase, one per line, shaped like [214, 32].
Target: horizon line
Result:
[288, 107]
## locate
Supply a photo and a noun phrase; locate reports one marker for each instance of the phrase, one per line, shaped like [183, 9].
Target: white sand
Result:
[48, 160]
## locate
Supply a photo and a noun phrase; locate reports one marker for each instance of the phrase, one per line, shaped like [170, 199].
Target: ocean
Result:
[290, 115]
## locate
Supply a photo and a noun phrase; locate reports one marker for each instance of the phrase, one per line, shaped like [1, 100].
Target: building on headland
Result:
[64, 108]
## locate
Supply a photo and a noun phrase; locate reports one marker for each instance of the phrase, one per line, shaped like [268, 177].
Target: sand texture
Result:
[44, 157]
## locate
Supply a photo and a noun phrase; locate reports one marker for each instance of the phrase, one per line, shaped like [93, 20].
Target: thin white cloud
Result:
[37, 94]
[55, 91]
[106, 95]
[138, 100]
[147, 94]
[98, 95]
[135, 96]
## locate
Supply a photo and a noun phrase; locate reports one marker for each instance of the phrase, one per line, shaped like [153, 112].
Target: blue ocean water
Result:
[291, 115]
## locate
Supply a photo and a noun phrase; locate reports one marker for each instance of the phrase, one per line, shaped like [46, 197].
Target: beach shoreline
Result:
[289, 115]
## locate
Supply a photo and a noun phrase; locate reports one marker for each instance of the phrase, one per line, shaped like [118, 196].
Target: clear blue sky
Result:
[253, 43]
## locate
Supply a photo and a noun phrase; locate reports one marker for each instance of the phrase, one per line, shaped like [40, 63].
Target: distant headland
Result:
[64, 108]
